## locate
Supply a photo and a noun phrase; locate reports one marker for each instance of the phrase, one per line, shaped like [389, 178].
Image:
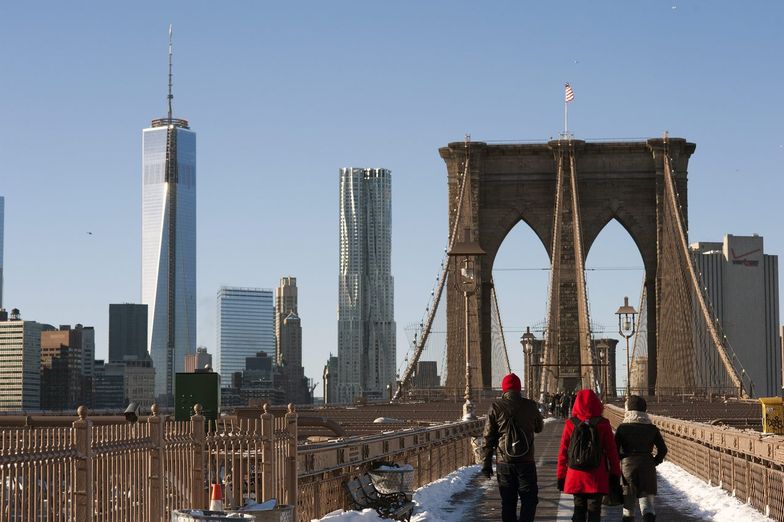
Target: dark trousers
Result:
[518, 480]
[587, 505]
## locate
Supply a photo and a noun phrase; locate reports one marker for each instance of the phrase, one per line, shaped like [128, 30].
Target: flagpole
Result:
[566, 117]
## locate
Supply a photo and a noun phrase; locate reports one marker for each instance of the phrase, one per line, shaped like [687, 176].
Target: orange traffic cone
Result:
[216, 497]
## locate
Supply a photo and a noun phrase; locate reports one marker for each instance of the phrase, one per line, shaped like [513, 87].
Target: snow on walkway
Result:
[695, 497]
[677, 488]
[432, 501]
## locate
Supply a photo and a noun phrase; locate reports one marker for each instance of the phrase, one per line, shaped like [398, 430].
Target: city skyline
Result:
[628, 79]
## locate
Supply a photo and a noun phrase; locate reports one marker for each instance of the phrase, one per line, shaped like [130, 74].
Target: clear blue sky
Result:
[284, 94]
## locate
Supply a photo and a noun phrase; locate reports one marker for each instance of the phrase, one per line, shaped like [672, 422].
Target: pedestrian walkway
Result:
[553, 505]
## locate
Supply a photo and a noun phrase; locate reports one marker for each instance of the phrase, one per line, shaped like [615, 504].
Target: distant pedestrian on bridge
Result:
[636, 437]
[509, 429]
[588, 463]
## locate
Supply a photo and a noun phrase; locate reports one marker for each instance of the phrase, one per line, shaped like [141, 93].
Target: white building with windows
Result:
[366, 324]
[743, 286]
[20, 363]
[245, 326]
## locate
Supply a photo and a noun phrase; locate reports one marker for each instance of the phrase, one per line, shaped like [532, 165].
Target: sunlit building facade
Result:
[366, 325]
[169, 247]
[20, 363]
[742, 283]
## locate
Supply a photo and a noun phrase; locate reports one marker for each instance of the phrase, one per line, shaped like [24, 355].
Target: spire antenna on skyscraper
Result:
[171, 96]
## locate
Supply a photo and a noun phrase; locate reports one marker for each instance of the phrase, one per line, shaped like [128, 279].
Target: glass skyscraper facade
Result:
[169, 247]
[245, 326]
[366, 324]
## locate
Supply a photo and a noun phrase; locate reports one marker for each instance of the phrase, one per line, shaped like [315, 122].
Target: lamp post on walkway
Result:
[626, 328]
[468, 250]
[527, 340]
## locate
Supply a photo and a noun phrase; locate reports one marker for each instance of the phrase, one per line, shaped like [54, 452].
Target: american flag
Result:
[569, 93]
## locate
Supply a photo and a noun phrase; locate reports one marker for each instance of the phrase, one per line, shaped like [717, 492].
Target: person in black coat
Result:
[516, 473]
[636, 437]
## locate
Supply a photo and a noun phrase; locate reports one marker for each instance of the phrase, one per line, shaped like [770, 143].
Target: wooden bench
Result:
[363, 495]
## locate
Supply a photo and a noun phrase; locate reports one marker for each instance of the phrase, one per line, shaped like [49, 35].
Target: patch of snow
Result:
[404, 467]
[695, 497]
[548, 420]
[386, 420]
[432, 501]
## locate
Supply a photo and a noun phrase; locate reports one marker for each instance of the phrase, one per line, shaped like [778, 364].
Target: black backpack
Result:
[514, 442]
[585, 447]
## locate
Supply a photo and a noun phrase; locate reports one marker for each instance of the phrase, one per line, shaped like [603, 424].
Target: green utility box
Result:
[196, 388]
[772, 415]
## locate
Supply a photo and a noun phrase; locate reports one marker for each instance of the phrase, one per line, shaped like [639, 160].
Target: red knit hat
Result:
[511, 383]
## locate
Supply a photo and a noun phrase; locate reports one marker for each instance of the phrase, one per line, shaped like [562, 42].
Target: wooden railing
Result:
[749, 465]
[143, 471]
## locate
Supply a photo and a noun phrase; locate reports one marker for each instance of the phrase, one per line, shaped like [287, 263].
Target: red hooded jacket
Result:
[586, 406]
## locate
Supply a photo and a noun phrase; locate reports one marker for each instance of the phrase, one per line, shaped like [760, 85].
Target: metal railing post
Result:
[84, 494]
[197, 477]
[155, 481]
[267, 455]
[291, 459]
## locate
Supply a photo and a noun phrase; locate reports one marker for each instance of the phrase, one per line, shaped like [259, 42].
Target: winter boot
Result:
[649, 517]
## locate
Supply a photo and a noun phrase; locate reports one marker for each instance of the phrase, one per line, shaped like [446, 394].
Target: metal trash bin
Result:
[189, 515]
[772, 415]
[393, 479]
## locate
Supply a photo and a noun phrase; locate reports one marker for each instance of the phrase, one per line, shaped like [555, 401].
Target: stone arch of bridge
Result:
[510, 183]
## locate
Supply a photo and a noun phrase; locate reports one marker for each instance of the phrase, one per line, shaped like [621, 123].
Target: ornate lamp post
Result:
[527, 340]
[604, 352]
[626, 326]
[468, 250]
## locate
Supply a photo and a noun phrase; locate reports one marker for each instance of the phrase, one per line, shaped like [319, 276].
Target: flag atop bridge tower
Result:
[568, 98]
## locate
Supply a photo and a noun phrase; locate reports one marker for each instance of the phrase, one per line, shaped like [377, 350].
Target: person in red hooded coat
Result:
[588, 487]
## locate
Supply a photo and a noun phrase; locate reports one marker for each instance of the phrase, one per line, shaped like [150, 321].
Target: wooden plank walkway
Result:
[553, 505]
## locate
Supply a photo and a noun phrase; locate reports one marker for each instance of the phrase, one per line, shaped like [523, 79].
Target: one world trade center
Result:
[169, 244]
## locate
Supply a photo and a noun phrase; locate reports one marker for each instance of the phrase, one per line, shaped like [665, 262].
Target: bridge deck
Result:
[553, 505]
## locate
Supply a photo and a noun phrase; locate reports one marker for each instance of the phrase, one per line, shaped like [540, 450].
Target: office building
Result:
[329, 380]
[108, 386]
[425, 375]
[117, 384]
[2, 217]
[66, 366]
[245, 326]
[198, 361]
[169, 245]
[127, 332]
[288, 336]
[366, 325]
[285, 303]
[20, 362]
[742, 284]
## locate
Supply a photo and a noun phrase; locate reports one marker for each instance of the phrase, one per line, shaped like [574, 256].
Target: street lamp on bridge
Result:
[468, 250]
[626, 326]
[527, 340]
